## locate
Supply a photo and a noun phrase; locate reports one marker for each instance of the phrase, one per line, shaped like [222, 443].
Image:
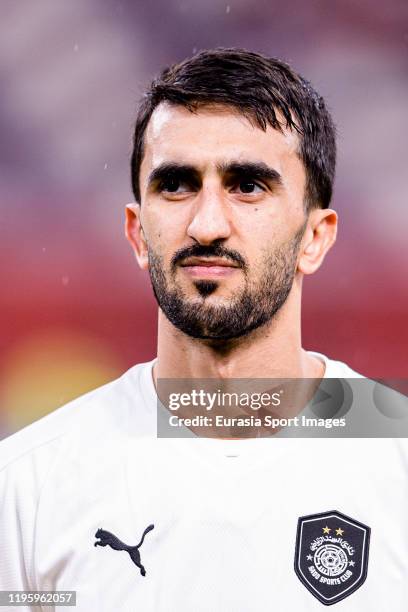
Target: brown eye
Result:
[249, 187]
[171, 185]
[174, 185]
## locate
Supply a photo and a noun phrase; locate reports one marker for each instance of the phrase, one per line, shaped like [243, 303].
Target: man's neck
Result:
[271, 351]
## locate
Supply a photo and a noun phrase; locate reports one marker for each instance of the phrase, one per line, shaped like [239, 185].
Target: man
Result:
[232, 172]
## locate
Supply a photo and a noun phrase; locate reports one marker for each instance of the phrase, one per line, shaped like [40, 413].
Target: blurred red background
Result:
[75, 309]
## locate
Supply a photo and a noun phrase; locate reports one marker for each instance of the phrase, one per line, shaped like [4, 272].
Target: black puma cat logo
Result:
[108, 539]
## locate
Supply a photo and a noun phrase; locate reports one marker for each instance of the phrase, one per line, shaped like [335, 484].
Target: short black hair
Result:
[259, 87]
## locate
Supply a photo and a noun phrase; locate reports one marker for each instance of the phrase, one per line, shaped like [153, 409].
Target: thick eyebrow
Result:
[254, 170]
[185, 172]
[170, 170]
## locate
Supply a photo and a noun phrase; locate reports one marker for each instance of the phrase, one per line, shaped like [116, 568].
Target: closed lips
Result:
[195, 261]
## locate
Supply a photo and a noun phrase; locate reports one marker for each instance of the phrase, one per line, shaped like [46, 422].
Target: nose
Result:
[211, 217]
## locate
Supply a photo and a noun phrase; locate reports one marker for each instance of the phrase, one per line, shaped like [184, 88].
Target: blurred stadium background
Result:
[75, 309]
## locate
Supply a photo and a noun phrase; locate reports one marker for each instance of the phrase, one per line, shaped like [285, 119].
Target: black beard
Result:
[251, 308]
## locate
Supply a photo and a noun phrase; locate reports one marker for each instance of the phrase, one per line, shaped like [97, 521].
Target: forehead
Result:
[212, 134]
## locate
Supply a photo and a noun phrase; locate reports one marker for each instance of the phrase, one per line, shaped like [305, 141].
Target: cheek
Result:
[152, 225]
[163, 233]
[263, 227]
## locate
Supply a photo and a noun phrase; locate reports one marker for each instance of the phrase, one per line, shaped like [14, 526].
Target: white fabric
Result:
[225, 511]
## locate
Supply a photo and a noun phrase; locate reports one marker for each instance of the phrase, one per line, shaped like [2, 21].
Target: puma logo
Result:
[108, 539]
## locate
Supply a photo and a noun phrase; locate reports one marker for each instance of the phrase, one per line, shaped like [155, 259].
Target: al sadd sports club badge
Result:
[331, 555]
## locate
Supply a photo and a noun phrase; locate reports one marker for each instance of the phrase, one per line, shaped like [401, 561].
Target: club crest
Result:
[331, 555]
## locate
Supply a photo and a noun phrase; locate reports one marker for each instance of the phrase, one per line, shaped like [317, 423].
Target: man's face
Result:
[222, 212]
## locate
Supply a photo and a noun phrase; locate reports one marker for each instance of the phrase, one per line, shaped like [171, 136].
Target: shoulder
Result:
[52, 463]
[375, 408]
[116, 409]
[334, 368]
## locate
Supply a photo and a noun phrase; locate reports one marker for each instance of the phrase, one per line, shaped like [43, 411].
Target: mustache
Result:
[213, 250]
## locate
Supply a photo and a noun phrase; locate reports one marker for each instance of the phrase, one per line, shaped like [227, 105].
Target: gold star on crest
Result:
[326, 529]
[339, 531]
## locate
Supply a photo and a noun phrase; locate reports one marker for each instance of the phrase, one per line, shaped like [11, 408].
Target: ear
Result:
[135, 235]
[319, 237]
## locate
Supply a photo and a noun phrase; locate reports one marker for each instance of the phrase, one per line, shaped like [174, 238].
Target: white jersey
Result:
[224, 521]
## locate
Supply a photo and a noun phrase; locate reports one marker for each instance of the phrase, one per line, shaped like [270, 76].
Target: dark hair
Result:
[258, 87]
